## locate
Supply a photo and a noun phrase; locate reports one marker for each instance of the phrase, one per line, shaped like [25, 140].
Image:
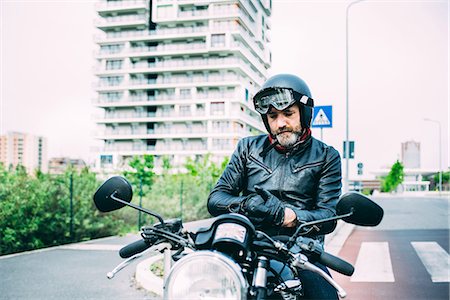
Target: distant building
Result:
[58, 165]
[411, 154]
[24, 149]
[176, 78]
[414, 175]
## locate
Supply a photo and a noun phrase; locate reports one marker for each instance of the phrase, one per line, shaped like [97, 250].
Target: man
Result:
[286, 177]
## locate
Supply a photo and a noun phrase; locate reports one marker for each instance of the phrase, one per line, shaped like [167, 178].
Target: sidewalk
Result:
[434, 194]
[149, 281]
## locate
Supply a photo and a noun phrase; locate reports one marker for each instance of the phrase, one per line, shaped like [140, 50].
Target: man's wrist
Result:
[290, 218]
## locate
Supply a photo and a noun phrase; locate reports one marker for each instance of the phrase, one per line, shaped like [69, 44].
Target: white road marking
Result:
[373, 263]
[435, 259]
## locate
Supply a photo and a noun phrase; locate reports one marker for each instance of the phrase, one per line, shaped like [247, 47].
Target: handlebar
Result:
[134, 248]
[336, 264]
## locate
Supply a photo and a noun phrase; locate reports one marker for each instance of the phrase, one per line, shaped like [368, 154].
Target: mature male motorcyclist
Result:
[286, 177]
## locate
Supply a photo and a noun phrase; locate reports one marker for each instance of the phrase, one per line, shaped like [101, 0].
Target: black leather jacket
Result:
[307, 179]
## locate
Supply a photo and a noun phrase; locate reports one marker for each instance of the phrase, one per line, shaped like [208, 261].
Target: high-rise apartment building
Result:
[28, 150]
[411, 154]
[176, 77]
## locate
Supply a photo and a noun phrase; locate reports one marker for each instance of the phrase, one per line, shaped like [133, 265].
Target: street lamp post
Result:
[440, 152]
[347, 142]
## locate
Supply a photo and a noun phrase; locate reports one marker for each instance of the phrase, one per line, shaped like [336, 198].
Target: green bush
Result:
[394, 178]
[35, 209]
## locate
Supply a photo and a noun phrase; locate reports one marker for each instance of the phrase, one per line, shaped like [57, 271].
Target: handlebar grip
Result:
[134, 248]
[337, 264]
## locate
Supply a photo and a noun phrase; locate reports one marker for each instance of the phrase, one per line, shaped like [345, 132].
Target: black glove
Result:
[263, 208]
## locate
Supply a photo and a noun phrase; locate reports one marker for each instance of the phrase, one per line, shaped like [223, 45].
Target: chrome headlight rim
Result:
[216, 256]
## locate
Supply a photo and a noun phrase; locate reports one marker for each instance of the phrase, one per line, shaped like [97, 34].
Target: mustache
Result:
[284, 129]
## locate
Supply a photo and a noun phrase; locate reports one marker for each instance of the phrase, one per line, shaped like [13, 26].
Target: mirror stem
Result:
[294, 237]
[138, 208]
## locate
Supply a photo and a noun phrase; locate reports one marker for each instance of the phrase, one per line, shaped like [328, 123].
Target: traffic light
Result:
[360, 168]
[352, 149]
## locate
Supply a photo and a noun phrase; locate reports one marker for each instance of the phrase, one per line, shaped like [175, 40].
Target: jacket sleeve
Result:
[328, 190]
[225, 196]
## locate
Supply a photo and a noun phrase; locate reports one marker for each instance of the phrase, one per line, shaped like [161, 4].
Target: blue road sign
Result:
[323, 117]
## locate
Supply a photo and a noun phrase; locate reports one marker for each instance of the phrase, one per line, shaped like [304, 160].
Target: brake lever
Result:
[155, 248]
[301, 261]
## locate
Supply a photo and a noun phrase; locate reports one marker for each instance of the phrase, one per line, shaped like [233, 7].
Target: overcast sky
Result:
[398, 72]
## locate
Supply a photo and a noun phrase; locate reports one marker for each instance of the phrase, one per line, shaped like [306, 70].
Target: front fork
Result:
[259, 286]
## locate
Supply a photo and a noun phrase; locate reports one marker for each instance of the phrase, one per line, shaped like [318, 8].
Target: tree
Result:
[142, 172]
[394, 178]
[141, 176]
[445, 177]
[204, 170]
[204, 173]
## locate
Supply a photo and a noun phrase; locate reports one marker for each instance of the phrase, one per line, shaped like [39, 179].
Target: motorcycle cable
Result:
[172, 237]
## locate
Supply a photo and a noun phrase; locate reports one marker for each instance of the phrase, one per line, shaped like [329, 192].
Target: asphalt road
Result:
[71, 272]
[405, 257]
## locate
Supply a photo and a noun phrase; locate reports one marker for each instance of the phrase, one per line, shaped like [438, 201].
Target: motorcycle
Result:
[231, 259]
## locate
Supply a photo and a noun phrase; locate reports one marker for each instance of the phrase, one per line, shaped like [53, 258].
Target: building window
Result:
[113, 64]
[185, 110]
[106, 160]
[185, 93]
[220, 126]
[218, 40]
[164, 11]
[217, 108]
[220, 144]
[200, 109]
[111, 49]
[111, 81]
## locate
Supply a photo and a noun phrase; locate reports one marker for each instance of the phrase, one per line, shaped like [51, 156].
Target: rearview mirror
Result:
[114, 187]
[364, 212]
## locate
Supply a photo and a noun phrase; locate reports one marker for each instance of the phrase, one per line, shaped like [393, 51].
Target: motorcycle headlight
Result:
[205, 275]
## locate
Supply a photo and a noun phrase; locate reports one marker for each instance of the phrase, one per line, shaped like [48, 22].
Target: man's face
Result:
[285, 125]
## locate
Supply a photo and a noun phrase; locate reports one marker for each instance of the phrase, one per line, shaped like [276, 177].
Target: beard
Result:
[288, 137]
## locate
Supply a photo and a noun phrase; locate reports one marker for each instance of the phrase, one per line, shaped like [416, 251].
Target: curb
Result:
[85, 245]
[149, 281]
[335, 240]
[146, 279]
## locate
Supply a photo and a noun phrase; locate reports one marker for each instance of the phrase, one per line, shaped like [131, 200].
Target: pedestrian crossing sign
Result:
[323, 117]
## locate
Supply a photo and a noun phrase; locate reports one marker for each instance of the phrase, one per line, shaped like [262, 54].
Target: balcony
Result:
[122, 21]
[166, 49]
[186, 81]
[160, 133]
[170, 148]
[159, 116]
[188, 64]
[107, 7]
[152, 35]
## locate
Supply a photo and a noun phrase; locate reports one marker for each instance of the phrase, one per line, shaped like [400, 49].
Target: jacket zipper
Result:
[260, 164]
[308, 166]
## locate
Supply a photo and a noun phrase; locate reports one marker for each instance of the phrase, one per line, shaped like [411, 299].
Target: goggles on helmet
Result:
[279, 98]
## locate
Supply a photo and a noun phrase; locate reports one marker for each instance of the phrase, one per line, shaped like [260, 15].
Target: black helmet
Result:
[281, 91]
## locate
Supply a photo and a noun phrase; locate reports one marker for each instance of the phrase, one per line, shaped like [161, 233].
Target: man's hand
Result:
[290, 218]
[264, 208]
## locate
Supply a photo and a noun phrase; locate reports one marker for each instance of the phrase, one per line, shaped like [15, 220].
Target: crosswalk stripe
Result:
[373, 263]
[435, 259]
